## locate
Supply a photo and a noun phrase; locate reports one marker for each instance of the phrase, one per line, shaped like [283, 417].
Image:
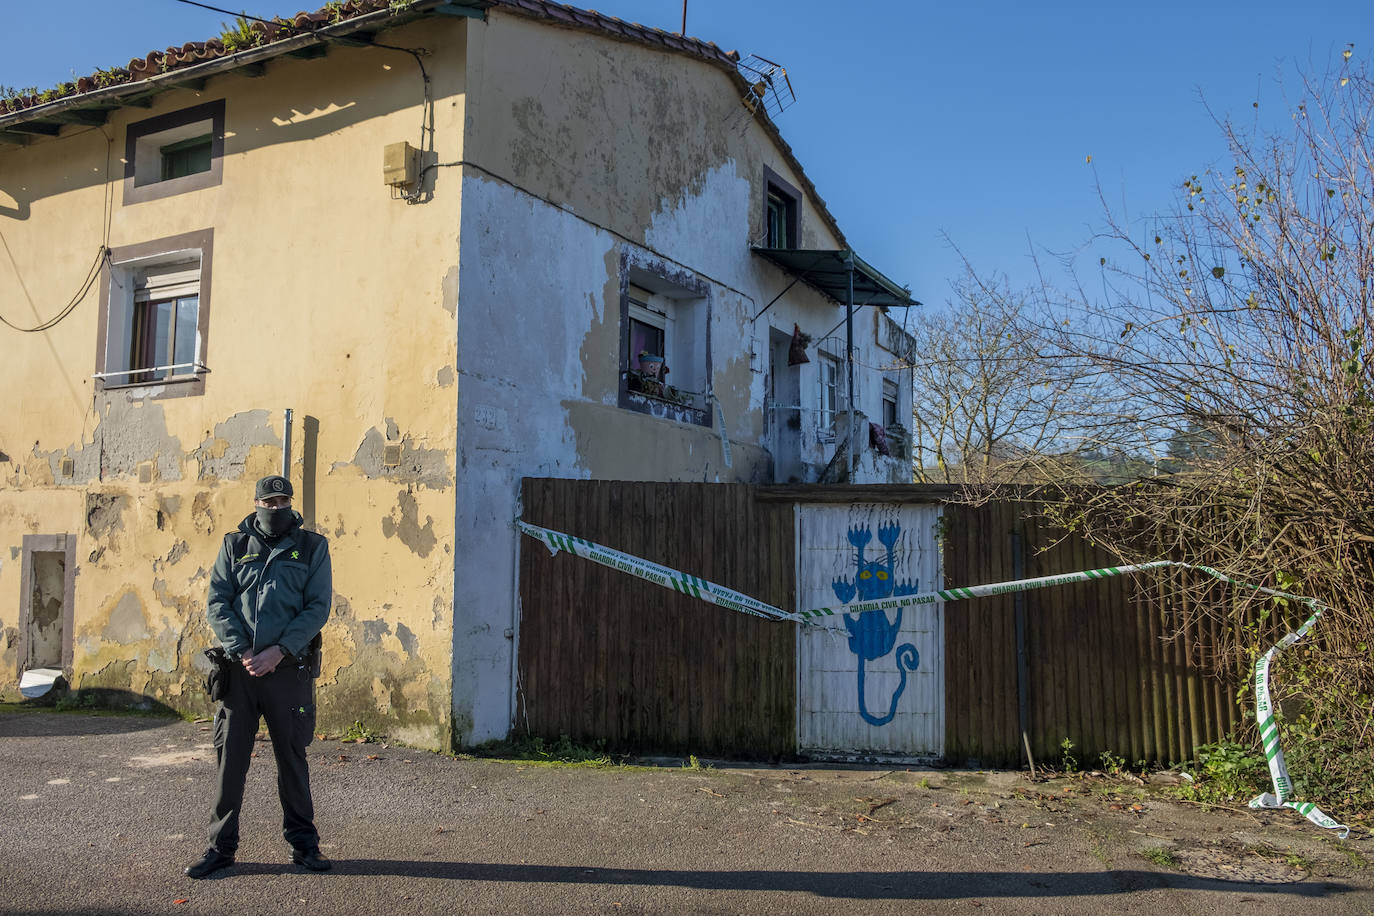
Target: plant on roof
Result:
[239, 36]
[9, 92]
[109, 77]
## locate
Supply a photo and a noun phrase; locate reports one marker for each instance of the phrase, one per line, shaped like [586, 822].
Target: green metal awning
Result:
[827, 271]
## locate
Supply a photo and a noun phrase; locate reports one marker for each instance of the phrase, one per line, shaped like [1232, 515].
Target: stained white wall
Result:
[582, 153]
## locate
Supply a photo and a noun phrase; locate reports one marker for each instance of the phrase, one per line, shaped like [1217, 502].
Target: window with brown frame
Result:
[781, 212]
[174, 153]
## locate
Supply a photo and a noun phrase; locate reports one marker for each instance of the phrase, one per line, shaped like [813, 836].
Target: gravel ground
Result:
[99, 814]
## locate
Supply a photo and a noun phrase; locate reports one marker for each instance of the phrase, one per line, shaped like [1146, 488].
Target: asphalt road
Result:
[99, 814]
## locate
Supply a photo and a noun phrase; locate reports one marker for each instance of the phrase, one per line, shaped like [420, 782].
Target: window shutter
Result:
[167, 281]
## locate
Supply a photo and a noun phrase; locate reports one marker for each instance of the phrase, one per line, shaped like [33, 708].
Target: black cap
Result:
[274, 485]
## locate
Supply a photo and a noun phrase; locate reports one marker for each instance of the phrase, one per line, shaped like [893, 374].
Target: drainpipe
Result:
[286, 446]
[849, 354]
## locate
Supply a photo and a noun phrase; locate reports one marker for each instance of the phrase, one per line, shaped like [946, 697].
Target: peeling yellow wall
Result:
[328, 297]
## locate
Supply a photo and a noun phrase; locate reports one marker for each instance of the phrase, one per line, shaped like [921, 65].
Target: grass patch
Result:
[1352, 855]
[359, 733]
[1298, 861]
[563, 752]
[1160, 856]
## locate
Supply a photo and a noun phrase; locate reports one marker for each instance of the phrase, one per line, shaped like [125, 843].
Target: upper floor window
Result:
[154, 315]
[162, 326]
[665, 362]
[174, 153]
[648, 327]
[891, 400]
[782, 212]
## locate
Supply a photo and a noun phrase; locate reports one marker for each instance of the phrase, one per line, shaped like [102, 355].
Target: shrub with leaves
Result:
[1237, 334]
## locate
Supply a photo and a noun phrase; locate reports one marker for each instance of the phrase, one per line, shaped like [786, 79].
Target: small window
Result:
[186, 157]
[665, 347]
[154, 315]
[174, 153]
[830, 394]
[890, 402]
[782, 212]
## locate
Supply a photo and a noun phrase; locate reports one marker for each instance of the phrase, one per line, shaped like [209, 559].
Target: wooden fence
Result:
[604, 656]
[1109, 664]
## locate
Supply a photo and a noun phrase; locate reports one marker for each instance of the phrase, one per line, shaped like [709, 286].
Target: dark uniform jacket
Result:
[265, 594]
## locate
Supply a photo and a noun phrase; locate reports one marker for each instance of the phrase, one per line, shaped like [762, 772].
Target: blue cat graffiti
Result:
[872, 635]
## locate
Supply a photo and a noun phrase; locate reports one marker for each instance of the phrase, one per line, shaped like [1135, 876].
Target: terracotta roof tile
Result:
[195, 52]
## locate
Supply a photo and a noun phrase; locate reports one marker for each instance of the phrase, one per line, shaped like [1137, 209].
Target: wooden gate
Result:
[877, 685]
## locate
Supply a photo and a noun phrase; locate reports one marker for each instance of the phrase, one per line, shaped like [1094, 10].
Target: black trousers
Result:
[286, 699]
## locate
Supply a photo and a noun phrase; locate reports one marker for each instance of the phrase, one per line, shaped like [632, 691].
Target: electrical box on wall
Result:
[400, 165]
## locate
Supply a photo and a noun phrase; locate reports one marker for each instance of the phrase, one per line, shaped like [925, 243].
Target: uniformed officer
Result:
[270, 593]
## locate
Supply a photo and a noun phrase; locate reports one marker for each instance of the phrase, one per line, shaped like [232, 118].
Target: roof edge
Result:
[208, 58]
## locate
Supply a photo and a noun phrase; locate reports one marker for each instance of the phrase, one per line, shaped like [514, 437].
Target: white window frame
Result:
[172, 269]
[678, 303]
[829, 395]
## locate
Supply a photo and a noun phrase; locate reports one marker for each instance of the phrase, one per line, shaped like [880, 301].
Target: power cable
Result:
[101, 257]
[75, 300]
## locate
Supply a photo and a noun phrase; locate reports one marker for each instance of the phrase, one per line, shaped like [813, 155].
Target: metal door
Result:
[875, 687]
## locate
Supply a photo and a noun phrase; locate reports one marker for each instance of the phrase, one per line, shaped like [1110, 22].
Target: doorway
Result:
[783, 415]
[46, 587]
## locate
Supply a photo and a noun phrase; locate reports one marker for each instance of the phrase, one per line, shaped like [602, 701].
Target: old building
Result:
[458, 241]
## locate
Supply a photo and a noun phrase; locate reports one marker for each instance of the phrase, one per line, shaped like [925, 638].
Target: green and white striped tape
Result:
[659, 575]
[1269, 733]
[728, 598]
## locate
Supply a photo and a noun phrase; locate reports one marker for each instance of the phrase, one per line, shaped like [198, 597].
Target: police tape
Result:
[1269, 735]
[729, 598]
[653, 572]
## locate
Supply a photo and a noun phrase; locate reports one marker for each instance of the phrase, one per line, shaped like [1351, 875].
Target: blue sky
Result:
[918, 120]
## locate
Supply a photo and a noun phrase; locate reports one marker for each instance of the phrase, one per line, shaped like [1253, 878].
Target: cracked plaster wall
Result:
[312, 309]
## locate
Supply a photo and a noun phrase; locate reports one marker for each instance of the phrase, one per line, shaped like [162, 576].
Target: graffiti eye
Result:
[865, 575]
[882, 575]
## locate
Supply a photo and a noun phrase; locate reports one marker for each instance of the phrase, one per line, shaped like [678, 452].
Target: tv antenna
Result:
[769, 87]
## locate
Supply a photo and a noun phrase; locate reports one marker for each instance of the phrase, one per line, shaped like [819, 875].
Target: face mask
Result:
[274, 522]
